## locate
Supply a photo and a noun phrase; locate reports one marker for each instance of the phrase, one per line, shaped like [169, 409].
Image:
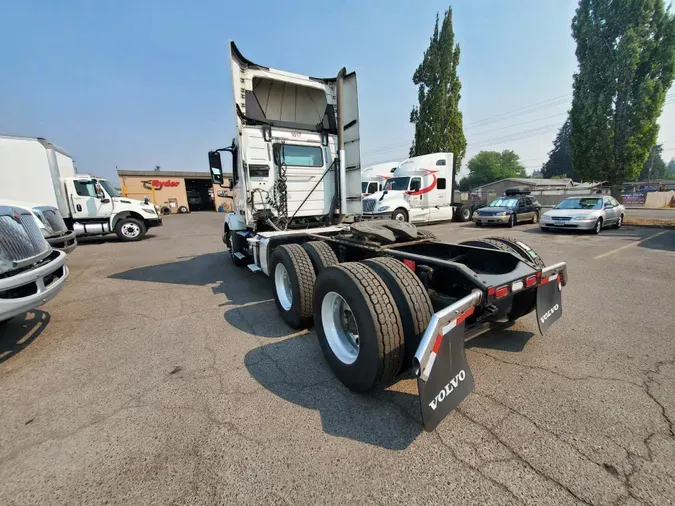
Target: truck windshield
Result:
[364, 186]
[503, 203]
[109, 188]
[593, 203]
[397, 183]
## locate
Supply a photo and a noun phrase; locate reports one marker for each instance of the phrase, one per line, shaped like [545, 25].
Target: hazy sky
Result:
[138, 84]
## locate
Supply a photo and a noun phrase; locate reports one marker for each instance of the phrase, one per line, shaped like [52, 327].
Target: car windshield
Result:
[504, 203]
[397, 183]
[109, 188]
[580, 203]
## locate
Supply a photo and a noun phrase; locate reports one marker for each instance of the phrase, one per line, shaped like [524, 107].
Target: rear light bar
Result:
[521, 284]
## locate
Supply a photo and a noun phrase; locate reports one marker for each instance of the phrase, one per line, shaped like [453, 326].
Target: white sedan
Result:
[584, 213]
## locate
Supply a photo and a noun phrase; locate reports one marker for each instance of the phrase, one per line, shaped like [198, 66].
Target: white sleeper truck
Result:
[383, 296]
[418, 190]
[32, 169]
[374, 177]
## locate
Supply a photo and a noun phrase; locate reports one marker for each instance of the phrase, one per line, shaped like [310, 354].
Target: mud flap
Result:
[450, 379]
[549, 303]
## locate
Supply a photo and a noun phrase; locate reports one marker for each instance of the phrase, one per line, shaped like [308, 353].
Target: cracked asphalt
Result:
[163, 375]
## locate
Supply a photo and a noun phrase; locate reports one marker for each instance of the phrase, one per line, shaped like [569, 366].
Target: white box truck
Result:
[32, 169]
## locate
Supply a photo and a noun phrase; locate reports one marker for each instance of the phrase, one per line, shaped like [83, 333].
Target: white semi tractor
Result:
[383, 296]
[32, 169]
[418, 190]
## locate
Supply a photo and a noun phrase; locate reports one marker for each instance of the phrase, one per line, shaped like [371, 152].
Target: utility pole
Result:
[651, 164]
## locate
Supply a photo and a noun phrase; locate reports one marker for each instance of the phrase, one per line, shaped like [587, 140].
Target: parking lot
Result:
[162, 374]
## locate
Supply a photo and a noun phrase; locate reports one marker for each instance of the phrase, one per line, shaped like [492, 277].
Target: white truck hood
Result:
[34, 209]
[386, 195]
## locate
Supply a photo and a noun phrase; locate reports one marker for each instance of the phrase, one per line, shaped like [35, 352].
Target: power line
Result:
[522, 111]
[518, 124]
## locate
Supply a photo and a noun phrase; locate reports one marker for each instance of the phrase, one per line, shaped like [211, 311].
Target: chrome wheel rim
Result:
[340, 328]
[535, 219]
[466, 214]
[618, 223]
[282, 284]
[130, 230]
[598, 226]
[399, 217]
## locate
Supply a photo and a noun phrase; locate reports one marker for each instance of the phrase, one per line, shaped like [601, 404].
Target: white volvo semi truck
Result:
[382, 296]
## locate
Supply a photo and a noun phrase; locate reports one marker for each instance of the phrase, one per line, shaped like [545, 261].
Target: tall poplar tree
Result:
[437, 118]
[626, 54]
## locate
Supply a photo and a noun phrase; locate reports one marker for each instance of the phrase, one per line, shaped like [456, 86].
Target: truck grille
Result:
[369, 205]
[54, 220]
[20, 242]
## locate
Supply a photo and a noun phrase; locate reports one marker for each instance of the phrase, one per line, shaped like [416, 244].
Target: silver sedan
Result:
[584, 213]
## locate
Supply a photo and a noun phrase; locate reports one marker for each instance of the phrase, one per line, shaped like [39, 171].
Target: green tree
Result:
[671, 167]
[654, 166]
[437, 118]
[488, 166]
[560, 157]
[626, 55]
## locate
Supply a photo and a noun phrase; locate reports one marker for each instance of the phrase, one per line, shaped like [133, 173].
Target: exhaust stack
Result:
[341, 142]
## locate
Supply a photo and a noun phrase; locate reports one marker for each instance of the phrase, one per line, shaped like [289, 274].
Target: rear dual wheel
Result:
[369, 319]
[293, 275]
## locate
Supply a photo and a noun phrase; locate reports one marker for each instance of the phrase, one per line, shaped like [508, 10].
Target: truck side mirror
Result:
[99, 191]
[216, 167]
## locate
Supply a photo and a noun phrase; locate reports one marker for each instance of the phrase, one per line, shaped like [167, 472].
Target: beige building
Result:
[178, 192]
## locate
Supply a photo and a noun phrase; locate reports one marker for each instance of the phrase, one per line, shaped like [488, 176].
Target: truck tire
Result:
[426, 234]
[524, 302]
[130, 229]
[320, 254]
[412, 301]
[464, 213]
[399, 214]
[293, 276]
[234, 244]
[358, 326]
[522, 249]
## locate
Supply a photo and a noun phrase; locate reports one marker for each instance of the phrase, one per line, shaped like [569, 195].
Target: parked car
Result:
[584, 213]
[508, 210]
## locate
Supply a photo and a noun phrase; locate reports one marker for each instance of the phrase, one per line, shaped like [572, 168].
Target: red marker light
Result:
[532, 280]
[501, 291]
[491, 291]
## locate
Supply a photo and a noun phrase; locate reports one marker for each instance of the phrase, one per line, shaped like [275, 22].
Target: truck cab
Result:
[97, 208]
[375, 176]
[296, 157]
[418, 191]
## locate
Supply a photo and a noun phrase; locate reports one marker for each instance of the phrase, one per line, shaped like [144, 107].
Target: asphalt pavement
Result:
[162, 374]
